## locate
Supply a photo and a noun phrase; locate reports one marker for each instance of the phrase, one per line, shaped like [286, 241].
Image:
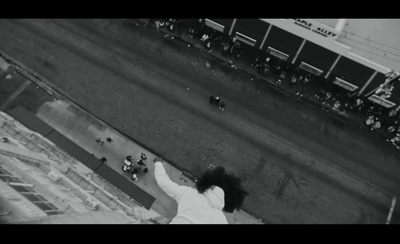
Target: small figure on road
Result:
[216, 101]
[143, 156]
[5, 139]
[109, 139]
[222, 106]
[103, 159]
[212, 99]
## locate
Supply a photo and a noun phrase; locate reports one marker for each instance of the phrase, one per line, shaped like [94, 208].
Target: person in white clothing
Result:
[216, 192]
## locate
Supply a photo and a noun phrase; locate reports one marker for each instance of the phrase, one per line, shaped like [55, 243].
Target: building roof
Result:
[377, 40]
[329, 22]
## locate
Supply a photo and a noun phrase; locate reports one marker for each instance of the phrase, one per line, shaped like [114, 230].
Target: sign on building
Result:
[346, 85]
[245, 39]
[310, 68]
[316, 27]
[381, 101]
[274, 52]
[214, 25]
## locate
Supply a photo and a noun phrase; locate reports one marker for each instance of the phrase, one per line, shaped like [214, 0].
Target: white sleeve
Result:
[166, 184]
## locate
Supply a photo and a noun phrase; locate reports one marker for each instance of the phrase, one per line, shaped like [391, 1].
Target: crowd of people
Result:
[217, 102]
[135, 168]
[378, 119]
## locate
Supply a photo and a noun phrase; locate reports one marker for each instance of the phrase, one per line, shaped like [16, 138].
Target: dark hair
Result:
[234, 193]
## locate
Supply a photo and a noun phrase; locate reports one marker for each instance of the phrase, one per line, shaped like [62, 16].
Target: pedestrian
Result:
[143, 156]
[204, 38]
[303, 90]
[215, 192]
[191, 31]
[307, 79]
[376, 125]
[222, 106]
[98, 140]
[370, 120]
[208, 45]
[292, 81]
[225, 48]
[216, 101]
[135, 171]
[128, 160]
[109, 139]
[140, 162]
[103, 159]
[212, 99]
[5, 139]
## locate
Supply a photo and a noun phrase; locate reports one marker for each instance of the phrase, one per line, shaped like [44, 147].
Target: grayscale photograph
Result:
[234, 121]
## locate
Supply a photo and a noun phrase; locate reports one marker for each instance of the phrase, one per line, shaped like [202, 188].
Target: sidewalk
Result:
[244, 63]
[86, 128]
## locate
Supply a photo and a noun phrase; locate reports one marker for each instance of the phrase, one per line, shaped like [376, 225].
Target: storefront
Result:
[283, 41]
[359, 74]
[313, 53]
[254, 29]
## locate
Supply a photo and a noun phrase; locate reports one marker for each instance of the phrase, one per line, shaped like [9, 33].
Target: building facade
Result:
[41, 184]
[319, 46]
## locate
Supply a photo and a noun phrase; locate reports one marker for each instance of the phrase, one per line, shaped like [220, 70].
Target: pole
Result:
[265, 37]
[232, 26]
[298, 51]
[367, 83]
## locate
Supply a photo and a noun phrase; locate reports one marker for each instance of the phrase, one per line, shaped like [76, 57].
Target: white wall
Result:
[328, 43]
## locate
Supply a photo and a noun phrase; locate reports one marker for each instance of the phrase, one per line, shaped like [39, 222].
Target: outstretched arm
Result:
[166, 184]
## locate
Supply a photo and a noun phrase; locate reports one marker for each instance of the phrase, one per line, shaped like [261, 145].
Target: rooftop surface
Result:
[375, 39]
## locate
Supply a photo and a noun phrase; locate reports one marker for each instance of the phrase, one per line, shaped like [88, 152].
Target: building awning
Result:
[214, 25]
[381, 101]
[307, 67]
[346, 85]
[274, 52]
[243, 38]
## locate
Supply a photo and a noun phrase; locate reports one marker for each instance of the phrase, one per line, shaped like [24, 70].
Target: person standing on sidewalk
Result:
[292, 81]
[216, 192]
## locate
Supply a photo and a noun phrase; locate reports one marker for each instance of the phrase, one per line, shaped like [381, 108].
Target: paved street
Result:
[299, 165]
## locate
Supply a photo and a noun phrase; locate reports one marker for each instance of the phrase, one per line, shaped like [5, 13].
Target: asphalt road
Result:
[156, 90]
